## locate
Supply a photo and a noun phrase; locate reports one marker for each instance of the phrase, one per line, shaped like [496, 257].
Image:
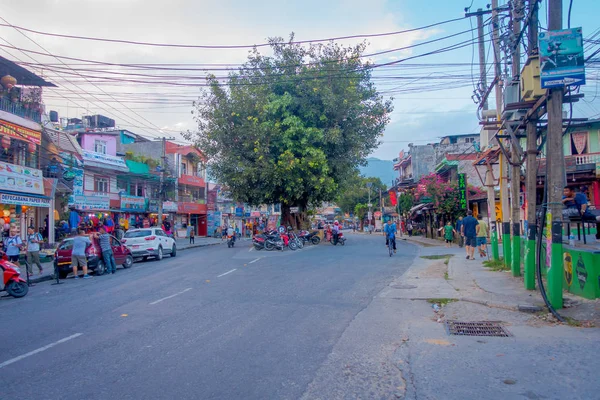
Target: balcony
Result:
[590, 158]
[24, 110]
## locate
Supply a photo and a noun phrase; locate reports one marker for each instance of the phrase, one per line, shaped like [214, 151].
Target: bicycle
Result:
[390, 245]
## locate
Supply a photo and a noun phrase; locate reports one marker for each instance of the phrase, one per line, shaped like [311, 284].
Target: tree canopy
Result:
[289, 128]
[354, 191]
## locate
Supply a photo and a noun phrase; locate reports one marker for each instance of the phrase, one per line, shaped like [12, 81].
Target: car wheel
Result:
[159, 256]
[174, 251]
[100, 269]
[128, 262]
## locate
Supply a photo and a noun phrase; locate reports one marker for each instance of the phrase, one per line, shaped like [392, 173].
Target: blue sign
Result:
[247, 214]
[239, 211]
[561, 58]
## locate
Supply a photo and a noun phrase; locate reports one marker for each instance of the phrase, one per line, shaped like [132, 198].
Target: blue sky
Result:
[420, 115]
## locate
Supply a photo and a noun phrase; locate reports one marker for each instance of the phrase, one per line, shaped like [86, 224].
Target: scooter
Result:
[230, 241]
[341, 239]
[14, 285]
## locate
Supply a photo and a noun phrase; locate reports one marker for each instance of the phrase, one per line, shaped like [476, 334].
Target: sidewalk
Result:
[182, 244]
[456, 278]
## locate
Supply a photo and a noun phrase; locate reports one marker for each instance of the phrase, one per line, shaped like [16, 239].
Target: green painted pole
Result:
[494, 237]
[529, 268]
[555, 273]
[516, 250]
[506, 243]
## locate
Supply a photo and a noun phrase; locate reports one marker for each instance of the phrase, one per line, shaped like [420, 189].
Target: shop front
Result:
[193, 214]
[133, 211]
[23, 200]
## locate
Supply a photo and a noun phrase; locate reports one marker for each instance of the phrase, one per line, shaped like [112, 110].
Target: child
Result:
[448, 233]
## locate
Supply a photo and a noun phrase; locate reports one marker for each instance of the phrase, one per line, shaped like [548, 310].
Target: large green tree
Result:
[354, 191]
[290, 127]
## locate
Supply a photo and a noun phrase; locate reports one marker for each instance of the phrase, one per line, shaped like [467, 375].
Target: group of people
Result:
[13, 245]
[80, 244]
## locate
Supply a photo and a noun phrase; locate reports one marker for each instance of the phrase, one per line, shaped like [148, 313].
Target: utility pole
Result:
[531, 179]
[515, 184]
[369, 184]
[162, 181]
[482, 72]
[556, 173]
[503, 173]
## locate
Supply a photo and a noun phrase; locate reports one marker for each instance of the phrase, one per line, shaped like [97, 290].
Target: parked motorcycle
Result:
[274, 241]
[309, 237]
[14, 285]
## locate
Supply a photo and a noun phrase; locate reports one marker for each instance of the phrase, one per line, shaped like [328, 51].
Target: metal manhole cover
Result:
[476, 328]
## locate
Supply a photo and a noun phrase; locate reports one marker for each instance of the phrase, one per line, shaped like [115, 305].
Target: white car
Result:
[149, 242]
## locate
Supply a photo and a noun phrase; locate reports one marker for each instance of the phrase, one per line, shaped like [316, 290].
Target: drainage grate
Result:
[476, 328]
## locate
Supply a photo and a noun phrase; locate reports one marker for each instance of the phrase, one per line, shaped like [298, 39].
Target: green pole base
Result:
[495, 251]
[506, 250]
[516, 256]
[529, 268]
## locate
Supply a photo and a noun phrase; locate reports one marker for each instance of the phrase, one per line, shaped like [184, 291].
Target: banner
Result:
[393, 198]
[463, 197]
[580, 141]
[24, 200]
[133, 203]
[20, 132]
[21, 179]
[561, 58]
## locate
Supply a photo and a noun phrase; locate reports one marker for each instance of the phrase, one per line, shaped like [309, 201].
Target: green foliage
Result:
[151, 162]
[354, 191]
[496, 265]
[360, 210]
[291, 127]
[405, 202]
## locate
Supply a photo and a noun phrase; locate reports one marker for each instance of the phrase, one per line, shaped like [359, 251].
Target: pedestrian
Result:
[33, 250]
[78, 257]
[192, 235]
[336, 232]
[461, 238]
[409, 228]
[469, 230]
[482, 234]
[119, 233]
[223, 233]
[107, 253]
[448, 233]
[13, 245]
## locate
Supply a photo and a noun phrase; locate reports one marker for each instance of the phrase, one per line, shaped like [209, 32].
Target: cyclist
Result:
[390, 233]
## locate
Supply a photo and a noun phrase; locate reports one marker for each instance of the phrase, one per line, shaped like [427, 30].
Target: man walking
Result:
[482, 235]
[12, 246]
[78, 257]
[107, 253]
[469, 230]
[461, 238]
[33, 250]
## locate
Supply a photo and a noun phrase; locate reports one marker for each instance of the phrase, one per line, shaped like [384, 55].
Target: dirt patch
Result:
[437, 269]
[439, 342]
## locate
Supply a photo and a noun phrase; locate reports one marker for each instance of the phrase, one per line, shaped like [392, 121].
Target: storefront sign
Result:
[463, 200]
[90, 203]
[21, 179]
[133, 203]
[239, 211]
[255, 214]
[94, 159]
[192, 180]
[153, 206]
[191, 208]
[20, 132]
[169, 206]
[23, 200]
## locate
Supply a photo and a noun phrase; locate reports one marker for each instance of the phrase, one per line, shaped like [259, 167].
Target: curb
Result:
[198, 246]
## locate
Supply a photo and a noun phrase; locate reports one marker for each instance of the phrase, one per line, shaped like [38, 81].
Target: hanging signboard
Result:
[561, 58]
[20, 132]
[463, 199]
[133, 203]
[21, 179]
[6, 198]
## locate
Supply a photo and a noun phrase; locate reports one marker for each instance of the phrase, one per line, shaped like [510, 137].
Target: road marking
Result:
[170, 297]
[251, 248]
[253, 261]
[14, 360]
[228, 272]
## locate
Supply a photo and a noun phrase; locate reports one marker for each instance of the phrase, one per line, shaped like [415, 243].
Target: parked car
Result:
[149, 242]
[62, 257]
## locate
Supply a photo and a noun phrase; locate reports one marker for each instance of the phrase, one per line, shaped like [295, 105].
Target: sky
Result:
[432, 94]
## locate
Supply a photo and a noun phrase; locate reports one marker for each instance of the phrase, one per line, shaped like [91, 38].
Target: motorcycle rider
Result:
[231, 232]
[336, 232]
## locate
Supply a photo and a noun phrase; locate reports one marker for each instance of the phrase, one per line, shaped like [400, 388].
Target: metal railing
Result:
[17, 108]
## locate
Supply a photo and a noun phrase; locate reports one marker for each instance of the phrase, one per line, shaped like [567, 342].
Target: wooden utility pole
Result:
[515, 180]
[532, 166]
[555, 161]
[162, 182]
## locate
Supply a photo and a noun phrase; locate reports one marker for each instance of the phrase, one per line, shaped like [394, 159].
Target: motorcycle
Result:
[294, 241]
[230, 241]
[341, 239]
[14, 285]
[309, 237]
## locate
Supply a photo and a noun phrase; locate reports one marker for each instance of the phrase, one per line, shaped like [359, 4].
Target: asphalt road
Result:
[212, 323]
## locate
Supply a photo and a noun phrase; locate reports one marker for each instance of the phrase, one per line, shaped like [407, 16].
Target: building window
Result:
[140, 191]
[183, 169]
[100, 146]
[469, 140]
[101, 185]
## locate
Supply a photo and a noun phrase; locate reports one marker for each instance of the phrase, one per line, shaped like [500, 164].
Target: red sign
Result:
[20, 132]
[191, 208]
[393, 198]
[192, 180]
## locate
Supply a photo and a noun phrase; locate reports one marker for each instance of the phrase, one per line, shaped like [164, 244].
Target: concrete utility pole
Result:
[369, 184]
[531, 179]
[482, 72]
[556, 173]
[162, 181]
[515, 184]
[503, 173]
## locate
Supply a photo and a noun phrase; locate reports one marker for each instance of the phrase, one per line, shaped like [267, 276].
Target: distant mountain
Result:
[382, 169]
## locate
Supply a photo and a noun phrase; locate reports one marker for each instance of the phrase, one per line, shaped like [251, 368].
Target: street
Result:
[212, 323]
